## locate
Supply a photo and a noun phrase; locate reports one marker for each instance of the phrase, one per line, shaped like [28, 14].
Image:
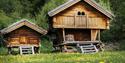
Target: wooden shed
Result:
[77, 24]
[23, 33]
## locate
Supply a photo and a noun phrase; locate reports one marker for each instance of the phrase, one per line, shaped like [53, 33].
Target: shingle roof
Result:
[21, 23]
[72, 2]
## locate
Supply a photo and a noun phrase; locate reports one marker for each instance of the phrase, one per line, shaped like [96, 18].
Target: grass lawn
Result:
[102, 57]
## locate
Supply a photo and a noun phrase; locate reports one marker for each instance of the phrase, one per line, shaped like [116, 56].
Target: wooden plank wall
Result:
[69, 18]
[79, 34]
[23, 35]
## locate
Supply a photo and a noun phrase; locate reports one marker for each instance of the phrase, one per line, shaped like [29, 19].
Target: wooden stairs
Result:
[87, 48]
[26, 50]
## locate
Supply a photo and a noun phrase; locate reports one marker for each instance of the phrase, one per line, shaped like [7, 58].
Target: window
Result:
[83, 13]
[80, 13]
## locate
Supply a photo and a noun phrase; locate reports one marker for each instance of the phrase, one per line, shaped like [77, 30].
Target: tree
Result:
[42, 17]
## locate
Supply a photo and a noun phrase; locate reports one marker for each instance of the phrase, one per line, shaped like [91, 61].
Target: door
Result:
[23, 40]
[81, 21]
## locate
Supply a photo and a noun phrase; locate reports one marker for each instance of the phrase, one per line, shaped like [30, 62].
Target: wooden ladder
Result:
[26, 50]
[87, 48]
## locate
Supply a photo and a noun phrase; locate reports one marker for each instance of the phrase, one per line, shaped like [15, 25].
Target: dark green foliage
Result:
[3, 51]
[117, 28]
[118, 24]
[105, 4]
[13, 10]
[4, 19]
[46, 45]
[42, 16]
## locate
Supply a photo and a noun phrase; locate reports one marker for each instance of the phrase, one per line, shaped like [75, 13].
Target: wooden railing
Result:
[80, 42]
[78, 22]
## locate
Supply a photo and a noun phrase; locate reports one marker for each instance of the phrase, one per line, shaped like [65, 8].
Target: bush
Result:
[122, 44]
[3, 51]
[46, 46]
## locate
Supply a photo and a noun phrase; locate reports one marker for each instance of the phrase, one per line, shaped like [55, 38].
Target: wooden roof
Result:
[72, 2]
[21, 23]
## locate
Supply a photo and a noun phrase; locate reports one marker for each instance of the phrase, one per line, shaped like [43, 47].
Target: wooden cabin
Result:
[78, 22]
[23, 33]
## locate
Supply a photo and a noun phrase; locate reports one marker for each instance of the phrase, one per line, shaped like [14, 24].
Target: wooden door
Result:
[23, 40]
[81, 21]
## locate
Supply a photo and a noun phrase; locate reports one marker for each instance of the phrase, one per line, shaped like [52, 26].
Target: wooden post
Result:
[20, 50]
[91, 35]
[32, 49]
[99, 35]
[94, 34]
[39, 47]
[64, 39]
[63, 34]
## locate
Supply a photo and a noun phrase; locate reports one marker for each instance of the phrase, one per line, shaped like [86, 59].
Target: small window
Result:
[83, 13]
[79, 13]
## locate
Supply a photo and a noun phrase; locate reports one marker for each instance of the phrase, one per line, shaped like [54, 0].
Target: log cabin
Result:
[77, 24]
[23, 34]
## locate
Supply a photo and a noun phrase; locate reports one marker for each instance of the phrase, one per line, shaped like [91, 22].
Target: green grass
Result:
[102, 57]
[3, 51]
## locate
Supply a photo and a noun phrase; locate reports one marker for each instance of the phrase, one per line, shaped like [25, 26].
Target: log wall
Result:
[23, 36]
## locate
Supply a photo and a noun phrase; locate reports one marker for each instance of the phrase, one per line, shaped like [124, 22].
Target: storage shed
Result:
[23, 33]
[77, 24]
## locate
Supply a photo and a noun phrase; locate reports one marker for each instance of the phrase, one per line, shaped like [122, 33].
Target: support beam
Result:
[63, 30]
[20, 50]
[99, 35]
[107, 24]
[32, 49]
[94, 35]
